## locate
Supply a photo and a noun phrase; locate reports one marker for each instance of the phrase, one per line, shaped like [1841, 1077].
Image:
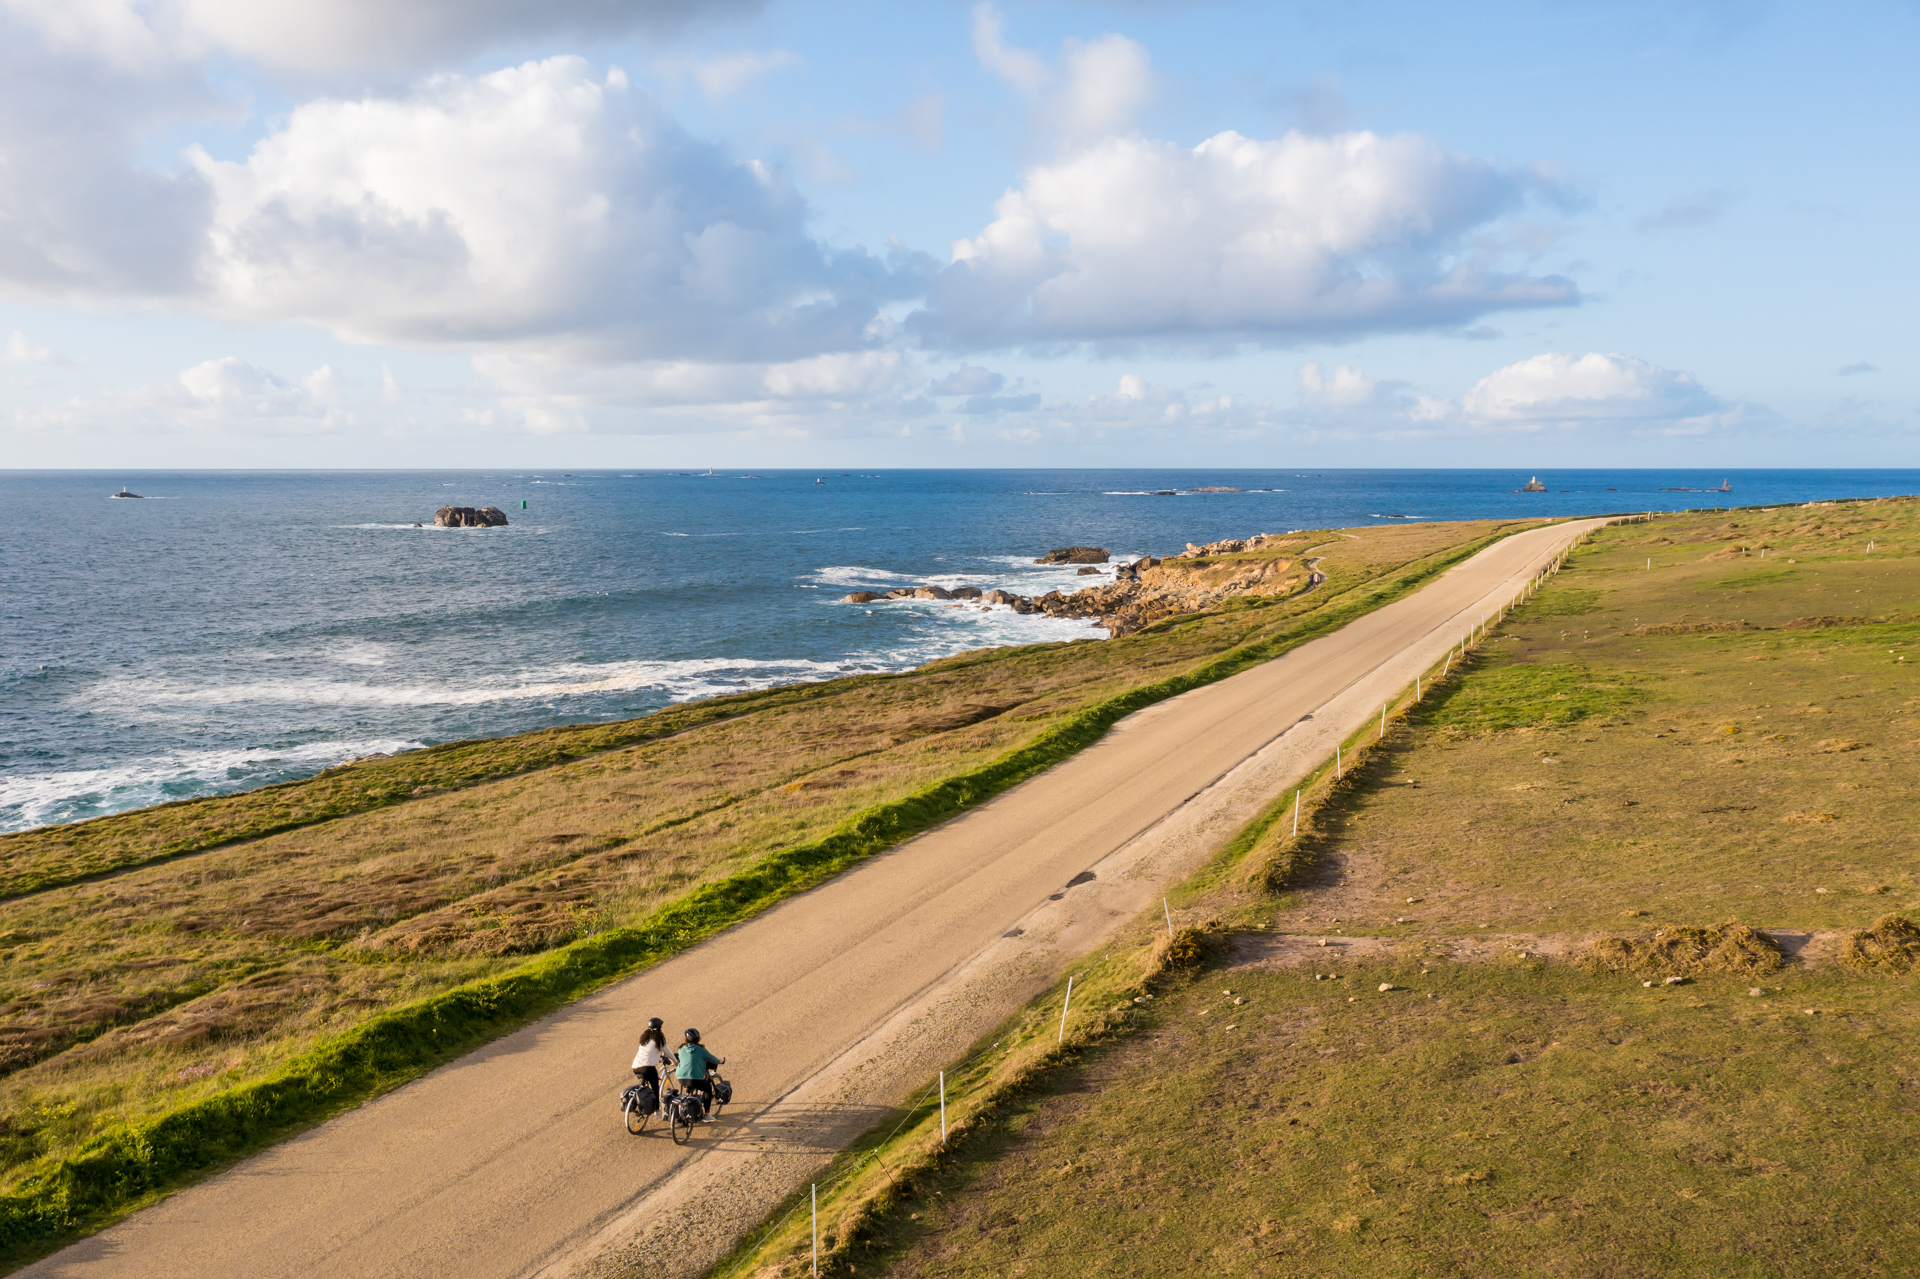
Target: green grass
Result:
[1475, 1121]
[1507, 694]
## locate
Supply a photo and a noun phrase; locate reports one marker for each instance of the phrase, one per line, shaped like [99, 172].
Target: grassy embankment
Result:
[185, 983]
[1486, 1071]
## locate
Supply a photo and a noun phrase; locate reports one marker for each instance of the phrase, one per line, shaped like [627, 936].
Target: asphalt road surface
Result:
[831, 1008]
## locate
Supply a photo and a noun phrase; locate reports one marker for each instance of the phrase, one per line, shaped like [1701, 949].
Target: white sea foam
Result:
[34, 799]
[678, 680]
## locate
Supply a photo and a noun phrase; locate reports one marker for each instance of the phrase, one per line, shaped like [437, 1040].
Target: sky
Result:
[757, 233]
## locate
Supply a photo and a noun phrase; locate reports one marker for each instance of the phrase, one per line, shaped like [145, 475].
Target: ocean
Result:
[233, 629]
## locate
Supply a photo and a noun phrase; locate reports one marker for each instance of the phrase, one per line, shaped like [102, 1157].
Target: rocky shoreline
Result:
[1146, 590]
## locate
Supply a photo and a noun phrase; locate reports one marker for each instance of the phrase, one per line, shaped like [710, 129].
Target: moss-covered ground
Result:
[1680, 760]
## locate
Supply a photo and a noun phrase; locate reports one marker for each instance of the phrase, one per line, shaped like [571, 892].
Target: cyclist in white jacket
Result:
[652, 1055]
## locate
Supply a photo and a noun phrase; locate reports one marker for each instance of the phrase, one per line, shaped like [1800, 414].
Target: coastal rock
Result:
[931, 593]
[1075, 555]
[1153, 588]
[1000, 597]
[900, 593]
[470, 517]
[966, 593]
[1088, 571]
[861, 597]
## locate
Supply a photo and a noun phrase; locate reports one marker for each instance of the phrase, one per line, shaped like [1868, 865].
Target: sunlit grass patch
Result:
[1473, 1120]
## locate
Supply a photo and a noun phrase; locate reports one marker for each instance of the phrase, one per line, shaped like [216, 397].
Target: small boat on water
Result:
[124, 492]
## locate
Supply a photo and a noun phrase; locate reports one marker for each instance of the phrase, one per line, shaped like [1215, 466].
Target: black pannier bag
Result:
[644, 1098]
[723, 1092]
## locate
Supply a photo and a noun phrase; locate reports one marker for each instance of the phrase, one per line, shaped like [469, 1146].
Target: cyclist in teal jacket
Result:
[691, 1067]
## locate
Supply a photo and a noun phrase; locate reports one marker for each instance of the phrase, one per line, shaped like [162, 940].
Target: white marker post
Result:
[1383, 721]
[1296, 814]
[1416, 688]
[943, 1108]
[816, 1230]
[1337, 773]
[1063, 1011]
[1169, 910]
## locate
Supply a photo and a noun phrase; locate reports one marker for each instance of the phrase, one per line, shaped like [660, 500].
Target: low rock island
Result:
[470, 517]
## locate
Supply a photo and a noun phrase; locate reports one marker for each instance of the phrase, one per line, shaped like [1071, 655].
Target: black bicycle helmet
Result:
[693, 1036]
[654, 1023]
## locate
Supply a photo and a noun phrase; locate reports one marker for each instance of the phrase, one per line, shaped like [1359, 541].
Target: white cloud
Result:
[1593, 395]
[320, 36]
[21, 351]
[1561, 390]
[1096, 93]
[215, 396]
[1243, 239]
[79, 90]
[832, 393]
[537, 202]
[1342, 387]
[1024, 70]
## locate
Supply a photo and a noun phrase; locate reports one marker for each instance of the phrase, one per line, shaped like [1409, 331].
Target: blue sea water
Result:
[235, 629]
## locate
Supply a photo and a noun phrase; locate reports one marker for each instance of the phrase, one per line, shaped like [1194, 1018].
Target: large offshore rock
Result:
[1075, 555]
[470, 517]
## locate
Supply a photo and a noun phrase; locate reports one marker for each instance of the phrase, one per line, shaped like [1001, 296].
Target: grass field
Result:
[1680, 760]
[156, 960]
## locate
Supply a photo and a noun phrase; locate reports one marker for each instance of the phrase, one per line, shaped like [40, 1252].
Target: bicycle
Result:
[638, 1104]
[683, 1109]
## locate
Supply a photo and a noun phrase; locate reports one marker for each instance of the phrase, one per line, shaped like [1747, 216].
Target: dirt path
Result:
[831, 1008]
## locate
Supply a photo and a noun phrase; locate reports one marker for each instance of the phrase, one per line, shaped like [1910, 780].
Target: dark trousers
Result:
[648, 1075]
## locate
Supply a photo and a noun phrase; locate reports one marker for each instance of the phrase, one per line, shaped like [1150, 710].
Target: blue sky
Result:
[574, 233]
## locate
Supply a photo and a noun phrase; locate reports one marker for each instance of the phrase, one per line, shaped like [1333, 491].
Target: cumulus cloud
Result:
[1342, 386]
[1096, 91]
[1608, 395]
[80, 85]
[1241, 238]
[214, 396]
[19, 350]
[321, 36]
[1559, 390]
[534, 203]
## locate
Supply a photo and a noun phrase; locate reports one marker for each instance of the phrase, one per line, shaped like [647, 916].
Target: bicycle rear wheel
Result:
[636, 1118]
[679, 1125]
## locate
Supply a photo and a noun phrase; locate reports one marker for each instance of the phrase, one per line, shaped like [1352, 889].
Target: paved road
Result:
[831, 1007]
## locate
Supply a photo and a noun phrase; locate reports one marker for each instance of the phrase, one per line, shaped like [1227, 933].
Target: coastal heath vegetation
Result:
[1601, 961]
[185, 983]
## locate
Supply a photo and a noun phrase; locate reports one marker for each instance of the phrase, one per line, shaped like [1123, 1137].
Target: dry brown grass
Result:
[1681, 951]
[1891, 945]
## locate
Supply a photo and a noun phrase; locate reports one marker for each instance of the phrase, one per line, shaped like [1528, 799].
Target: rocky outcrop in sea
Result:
[470, 517]
[1150, 589]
